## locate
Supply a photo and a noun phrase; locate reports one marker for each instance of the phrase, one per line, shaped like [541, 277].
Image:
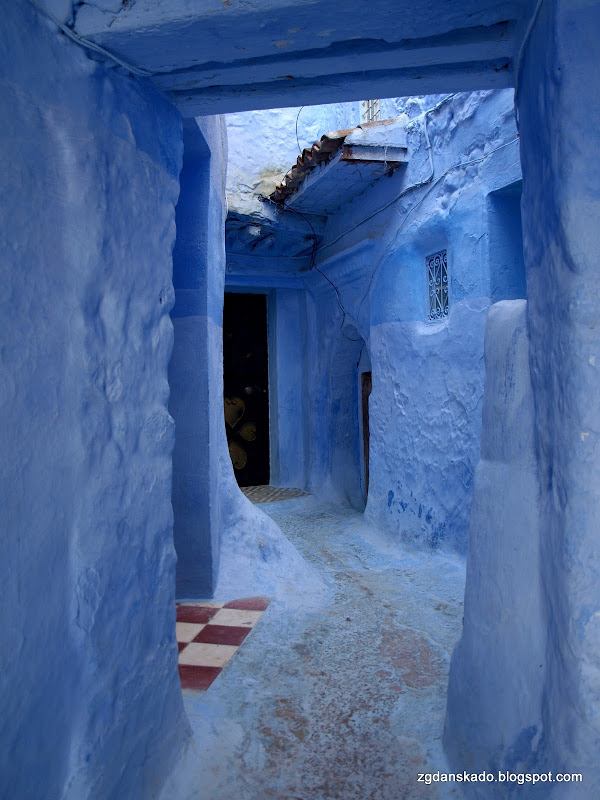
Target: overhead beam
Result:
[496, 74]
[458, 47]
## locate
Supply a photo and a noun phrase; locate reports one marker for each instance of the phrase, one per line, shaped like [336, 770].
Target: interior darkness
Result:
[366, 386]
[246, 386]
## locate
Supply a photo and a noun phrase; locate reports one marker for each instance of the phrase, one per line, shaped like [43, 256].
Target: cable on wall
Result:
[426, 194]
[313, 265]
[297, 139]
[80, 40]
[521, 53]
[408, 189]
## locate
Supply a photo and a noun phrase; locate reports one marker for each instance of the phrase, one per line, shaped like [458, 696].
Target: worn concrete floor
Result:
[339, 700]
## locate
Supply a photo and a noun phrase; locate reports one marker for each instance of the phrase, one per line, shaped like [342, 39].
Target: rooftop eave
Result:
[337, 169]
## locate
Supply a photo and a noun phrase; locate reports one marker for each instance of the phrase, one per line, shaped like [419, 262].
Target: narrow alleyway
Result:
[343, 700]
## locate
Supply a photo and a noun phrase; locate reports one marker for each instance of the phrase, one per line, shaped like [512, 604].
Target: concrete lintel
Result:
[457, 47]
[382, 154]
[496, 74]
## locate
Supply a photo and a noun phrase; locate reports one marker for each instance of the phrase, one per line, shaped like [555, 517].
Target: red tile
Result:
[250, 603]
[181, 645]
[199, 614]
[197, 677]
[222, 634]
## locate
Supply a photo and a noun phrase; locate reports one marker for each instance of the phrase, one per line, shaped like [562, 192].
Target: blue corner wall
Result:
[194, 371]
[426, 400]
[492, 723]
[90, 164]
[528, 658]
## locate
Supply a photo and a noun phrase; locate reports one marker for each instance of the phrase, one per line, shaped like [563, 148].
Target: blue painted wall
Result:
[493, 723]
[555, 719]
[90, 164]
[288, 386]
[505, 244]
[85, 455]
[425, 407]
[195, 389]
[428, 376]
[225, 545]
[460, 191]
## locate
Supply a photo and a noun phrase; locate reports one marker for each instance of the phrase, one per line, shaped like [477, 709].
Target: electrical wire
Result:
[297, 139]
[408, 189]
[419, 185]
[524, 43]
[80, 40]
[313, 257]
[313, 265]
[421, 199]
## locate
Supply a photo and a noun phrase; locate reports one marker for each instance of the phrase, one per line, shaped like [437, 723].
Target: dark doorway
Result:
[366, 385]
[246, 386]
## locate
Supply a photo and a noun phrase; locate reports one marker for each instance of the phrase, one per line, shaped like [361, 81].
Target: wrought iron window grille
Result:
[437, 285]
[370, 111]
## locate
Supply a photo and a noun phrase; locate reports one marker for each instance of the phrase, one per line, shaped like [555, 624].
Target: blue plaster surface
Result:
[538, 478]
[220, 57]
[223, 542]
[288, 387]
[425, 414]
[90, 164]
[499, 666]
[505, 243]
[425, 408]
[333, 410]
[561, 227]
[425, 423]
[86, 457]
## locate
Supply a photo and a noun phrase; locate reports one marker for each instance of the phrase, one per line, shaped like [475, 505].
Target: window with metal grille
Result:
[370, 111]
[437, 284]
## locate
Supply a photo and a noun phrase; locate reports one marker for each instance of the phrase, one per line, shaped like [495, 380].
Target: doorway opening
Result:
[246, 386]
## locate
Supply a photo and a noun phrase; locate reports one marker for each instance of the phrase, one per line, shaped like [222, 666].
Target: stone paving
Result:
[344, 700]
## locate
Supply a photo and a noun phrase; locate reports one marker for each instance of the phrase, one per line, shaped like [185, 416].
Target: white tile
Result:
[235, 616]
[200, 654]
[205, 604]
[186, 631]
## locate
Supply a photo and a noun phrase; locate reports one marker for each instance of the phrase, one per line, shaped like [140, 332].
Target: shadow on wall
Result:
[503, 645]
[190, 369]
[336, 469]
[505, 244]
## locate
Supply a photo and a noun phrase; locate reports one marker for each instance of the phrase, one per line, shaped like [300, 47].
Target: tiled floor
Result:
[269, 494]
[208, 634]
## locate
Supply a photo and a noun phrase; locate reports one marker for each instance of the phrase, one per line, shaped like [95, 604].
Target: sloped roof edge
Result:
[329, 145]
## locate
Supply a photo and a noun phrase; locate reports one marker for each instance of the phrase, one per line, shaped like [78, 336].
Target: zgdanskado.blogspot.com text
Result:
[520, 778]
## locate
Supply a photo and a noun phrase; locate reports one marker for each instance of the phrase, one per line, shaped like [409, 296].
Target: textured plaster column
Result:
[559, 108]
[558, 100]
[195, 370]
[497, 670]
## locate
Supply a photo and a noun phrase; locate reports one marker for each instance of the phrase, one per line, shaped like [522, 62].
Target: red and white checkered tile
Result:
[208, 634]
